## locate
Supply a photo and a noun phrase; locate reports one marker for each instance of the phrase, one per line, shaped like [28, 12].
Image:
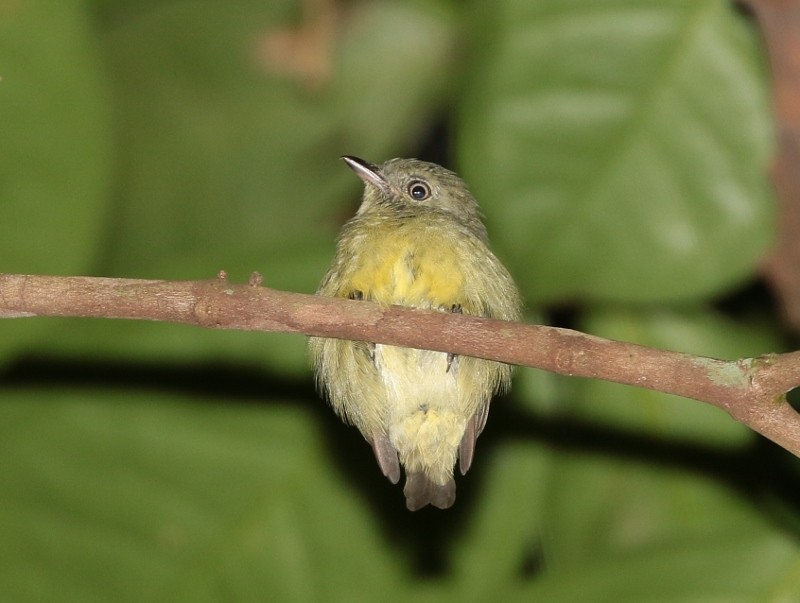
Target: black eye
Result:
[419, 191]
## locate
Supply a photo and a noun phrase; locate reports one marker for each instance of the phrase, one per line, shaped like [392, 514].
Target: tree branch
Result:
[780, 25]
[752, 391]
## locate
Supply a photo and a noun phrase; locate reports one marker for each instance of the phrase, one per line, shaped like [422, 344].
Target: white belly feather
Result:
[424, 418]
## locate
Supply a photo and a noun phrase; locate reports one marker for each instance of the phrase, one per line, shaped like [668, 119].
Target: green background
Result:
[619, 151]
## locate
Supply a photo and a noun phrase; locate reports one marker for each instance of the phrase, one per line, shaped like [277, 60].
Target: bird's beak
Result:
[369, 173]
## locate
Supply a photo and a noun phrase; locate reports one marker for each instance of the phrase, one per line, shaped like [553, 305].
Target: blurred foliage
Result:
[619, 151]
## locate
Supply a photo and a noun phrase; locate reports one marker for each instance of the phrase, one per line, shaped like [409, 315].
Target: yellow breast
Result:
[409, 268]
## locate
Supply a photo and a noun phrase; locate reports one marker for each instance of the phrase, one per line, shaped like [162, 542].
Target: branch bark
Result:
[780, 25]
[751, 390]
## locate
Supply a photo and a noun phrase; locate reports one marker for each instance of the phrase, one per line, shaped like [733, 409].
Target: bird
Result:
[416, 240]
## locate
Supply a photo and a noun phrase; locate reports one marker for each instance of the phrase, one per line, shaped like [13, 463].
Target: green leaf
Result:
[619, 148]
[232, 157]
[503, 527]
[54, 168]
[114, 496]
[603, 506]
[730, 569]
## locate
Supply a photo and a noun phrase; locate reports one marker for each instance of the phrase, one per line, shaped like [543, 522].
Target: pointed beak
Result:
[369, 173]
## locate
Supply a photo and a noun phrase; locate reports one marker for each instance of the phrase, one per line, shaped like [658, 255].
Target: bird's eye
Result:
[418, 190]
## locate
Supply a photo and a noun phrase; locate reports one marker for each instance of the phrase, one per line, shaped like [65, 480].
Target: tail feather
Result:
[421, 491]
[466, 450]
[386, 456]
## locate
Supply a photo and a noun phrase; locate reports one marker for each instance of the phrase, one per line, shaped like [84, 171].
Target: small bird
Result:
[416, 240]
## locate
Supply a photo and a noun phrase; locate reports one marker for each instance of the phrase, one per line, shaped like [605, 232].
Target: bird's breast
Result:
[401, 268]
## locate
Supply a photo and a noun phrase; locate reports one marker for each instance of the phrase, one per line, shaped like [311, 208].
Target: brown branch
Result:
[752, 391]
[780, 25]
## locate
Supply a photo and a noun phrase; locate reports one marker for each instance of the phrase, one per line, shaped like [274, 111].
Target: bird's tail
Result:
[421, 491]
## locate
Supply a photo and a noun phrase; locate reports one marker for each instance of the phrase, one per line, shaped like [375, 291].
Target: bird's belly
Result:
[424, 417]
[415, 377]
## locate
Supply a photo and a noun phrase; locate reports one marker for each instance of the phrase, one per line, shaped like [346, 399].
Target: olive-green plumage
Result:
[417, 240]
